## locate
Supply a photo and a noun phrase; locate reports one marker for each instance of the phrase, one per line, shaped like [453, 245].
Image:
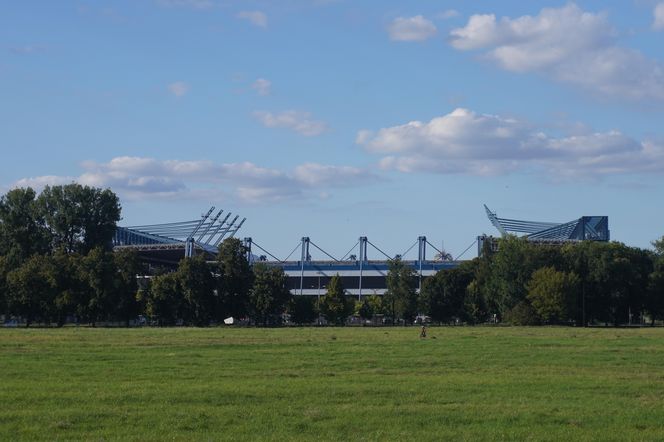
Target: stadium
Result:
[164, 245]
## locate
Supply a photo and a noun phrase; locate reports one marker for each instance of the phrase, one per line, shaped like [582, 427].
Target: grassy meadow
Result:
[459, 383]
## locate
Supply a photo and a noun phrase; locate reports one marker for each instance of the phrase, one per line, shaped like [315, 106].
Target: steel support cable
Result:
[436, 248]
[253, 243]
[165, 224]
[410, 248]
[351, 249]
[462, 253]
[314, 244]
[171, 232]
[170, 228]
[230, 226]
[292, 251]
[209, 225]
[374, 246]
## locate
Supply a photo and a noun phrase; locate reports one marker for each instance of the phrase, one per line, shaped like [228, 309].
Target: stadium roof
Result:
[592, 228]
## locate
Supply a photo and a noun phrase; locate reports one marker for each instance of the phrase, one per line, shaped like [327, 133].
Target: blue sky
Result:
[336, 119]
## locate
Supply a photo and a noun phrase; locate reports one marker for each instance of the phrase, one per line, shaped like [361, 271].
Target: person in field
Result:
[423, 332]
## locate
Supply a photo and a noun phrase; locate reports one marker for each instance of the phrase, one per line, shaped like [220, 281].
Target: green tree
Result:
[302, 309]
[475, 308]
[614, 279]
[163, 300]
[235, 278]
[334, 305]
[658, 244]
[4, 270]
[269, 294]
[401, 297]
[128, 266]
[365, 309]
[370, 306]
[73, 286]
[32, 290]
[509, 275]
[480, 304]
[22, 227]
[654, 301]
[80, 218]
[553, 293]
[197, 285]
[99, 272]
[443, 295]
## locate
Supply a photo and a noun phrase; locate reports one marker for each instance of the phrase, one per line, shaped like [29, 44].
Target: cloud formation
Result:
[568, 45]
[256, 18]
[658, 13]
[477, 144]
[450, 13]
[300, 122]
[178, 89]
[139, 178]
[262, 86]
[415, 28]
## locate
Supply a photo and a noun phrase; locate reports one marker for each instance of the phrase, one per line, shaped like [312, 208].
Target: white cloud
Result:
[314, 174]
[300, 122]
[178, 89]
[450, 13]
[477, 144]
[568, 45]
[658, 13]
[139, 178]
[43, 181]
[256, 18]
[415, 28]
[262, 86]
[195, 4]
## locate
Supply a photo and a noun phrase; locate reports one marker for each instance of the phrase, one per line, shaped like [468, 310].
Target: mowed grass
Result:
[460, 383]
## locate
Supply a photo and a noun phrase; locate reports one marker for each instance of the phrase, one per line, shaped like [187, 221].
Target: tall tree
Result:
[163, 299]
[365, 309]
[654, 301]
[129, 266]
[443, 294]
[269, 294]
[80, 218]
[100, 273]
[553, 293]
[302, 309]
[197, 285]
[4, 270]
[335, 307]
[613, 278]
[73, 286]
[33, 289]
[22, 229]
[235, 278]
[475, 308]
[401, 297]
[658, 244]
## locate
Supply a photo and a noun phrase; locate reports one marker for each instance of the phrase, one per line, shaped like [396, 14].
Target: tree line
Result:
[57, 264]
[526, 283]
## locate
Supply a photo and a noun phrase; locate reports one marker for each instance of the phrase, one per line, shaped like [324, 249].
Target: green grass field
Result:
[332, 384]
